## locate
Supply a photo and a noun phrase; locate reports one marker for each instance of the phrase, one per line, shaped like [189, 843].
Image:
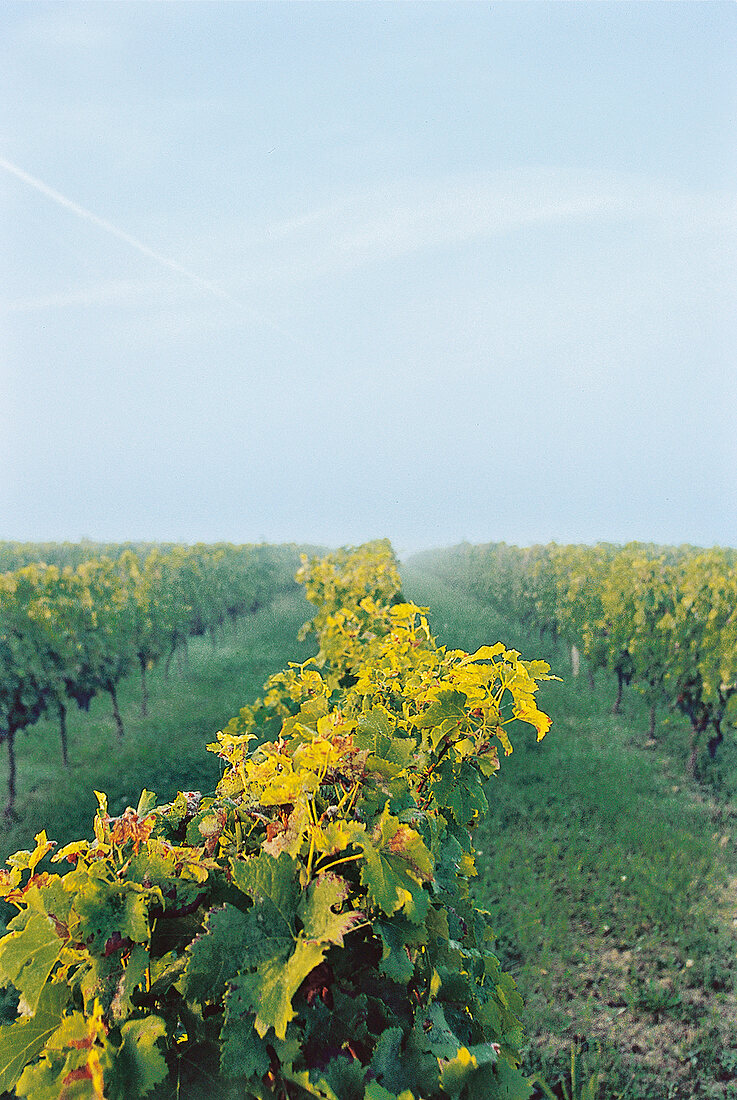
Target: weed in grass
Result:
[709, 1053]
[581, 1079]
[654, 997]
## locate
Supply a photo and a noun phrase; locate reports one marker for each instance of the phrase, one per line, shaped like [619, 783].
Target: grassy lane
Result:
[611, 880]
[164, 752]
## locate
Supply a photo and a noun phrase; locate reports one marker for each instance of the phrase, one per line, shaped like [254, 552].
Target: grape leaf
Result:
[392, 879]
[455, 1073]
[266, 877]
[387, 888]
[107, 908]
[316, 911]
[387, 1054]
[131, 978]
[405, 1068]
[396, 935]
[375, 1091]
[508, 1081]
[321, 1089]
[216, 956]
[346, 1077]
[432, 1033]
[443, 715]
[21, 1041]
[242, 1053]
[140, 1064]
[29, 860]
[458, 788]
[268, 991]
[27, 955]
[43, 1080]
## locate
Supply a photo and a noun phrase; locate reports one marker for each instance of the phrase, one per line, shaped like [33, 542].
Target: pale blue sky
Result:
[334, 271]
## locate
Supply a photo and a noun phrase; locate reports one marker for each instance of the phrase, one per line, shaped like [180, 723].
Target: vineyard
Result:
[372, 877]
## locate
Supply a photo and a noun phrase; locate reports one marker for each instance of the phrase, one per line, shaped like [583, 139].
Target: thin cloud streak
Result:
[409, 219]
[139, 246]
[119, 291]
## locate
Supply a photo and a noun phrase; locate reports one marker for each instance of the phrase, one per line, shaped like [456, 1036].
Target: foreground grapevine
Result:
[307, 929]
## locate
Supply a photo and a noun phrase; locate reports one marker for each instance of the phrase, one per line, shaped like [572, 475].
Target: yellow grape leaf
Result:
[485, 653]
[502, 735]
[526, 711]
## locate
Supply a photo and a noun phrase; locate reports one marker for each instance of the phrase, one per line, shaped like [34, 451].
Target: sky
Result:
[328, 272]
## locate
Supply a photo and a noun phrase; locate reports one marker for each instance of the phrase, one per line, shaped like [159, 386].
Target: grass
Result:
[611, 880]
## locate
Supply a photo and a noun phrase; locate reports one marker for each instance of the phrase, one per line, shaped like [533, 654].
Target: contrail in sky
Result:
[164, 261]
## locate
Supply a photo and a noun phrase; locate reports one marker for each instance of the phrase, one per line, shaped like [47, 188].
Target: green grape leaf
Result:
[140, 1065]
[455, 986]
[485, 1053]
[506, 988]
[375, 1091]
[130, 980]
[459, 788]
[27, 955]
[443, 715]
[378, 724]
[503, 1080]
[438, 932]
[396, 858]
[395, 963]
[273, 879]
[399, 1068]
[109, 909]
[268, 991]
[387, 888]
[387, 1054]
[242, 1052]
[401, 751]
[20, 1042]
[396, 935]
[346, 1077]
[432, 1033]
[155, 865]
[377, 730]
[224, 947]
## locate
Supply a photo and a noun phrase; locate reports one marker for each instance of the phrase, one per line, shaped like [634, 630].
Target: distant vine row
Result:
[69, 632]
[661, 618]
